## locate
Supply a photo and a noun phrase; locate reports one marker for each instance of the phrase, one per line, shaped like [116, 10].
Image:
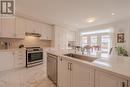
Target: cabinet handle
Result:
[123, 84]
[60, 59]
[70, 66]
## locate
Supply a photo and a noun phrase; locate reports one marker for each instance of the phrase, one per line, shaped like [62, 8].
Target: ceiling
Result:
[73, 13]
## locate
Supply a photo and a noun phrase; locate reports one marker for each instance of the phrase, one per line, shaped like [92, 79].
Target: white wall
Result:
[118, 27]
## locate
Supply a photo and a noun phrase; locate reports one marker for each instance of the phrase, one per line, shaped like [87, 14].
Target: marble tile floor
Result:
[25, 77]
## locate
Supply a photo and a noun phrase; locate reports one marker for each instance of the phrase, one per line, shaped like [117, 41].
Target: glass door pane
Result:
[93, 40]
[105, 45]
[84, 41]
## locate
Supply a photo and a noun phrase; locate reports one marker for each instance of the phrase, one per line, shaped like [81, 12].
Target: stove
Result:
[34, 56]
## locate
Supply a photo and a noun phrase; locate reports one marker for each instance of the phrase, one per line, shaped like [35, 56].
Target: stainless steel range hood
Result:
[33, 34]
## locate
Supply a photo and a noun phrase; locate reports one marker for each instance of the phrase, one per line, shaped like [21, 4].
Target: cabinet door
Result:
[107, 80]
[29, 26]
[71, 36]
[6, 61]
[82, 75]
[63, 73]
[37, 27]
[49, 33]
[46, 32]
[8, 27]
[20, 58]
[20, 27]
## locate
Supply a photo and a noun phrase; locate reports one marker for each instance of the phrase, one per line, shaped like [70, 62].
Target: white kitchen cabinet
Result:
[6, 60]
[19, 58]
[36, 27]
[64, 78]
[60, 41]
[29, 26]
[8, 27]
[46, 32]
[71, 36]
[74, 74]
[33, 27]
[82, 75]
[103, 79]
[20, 27]
[62, 36]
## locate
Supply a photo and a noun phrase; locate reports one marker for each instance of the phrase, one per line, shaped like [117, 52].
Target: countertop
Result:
[117, 65]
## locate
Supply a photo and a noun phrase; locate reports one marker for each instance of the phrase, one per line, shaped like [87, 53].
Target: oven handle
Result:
[35, 52]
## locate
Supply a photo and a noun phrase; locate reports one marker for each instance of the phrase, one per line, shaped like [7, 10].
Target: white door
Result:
[20, 27]
[63, 73]
[8, 27]
[107, 80]
[82, 75]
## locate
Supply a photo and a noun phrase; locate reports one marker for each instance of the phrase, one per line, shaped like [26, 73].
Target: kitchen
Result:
[42, 46]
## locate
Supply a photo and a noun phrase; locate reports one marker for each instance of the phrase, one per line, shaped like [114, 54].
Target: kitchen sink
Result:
[81, 57]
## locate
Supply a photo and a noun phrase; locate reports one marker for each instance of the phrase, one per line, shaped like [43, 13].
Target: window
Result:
[101, 39]
[84, 40]
[94, 41]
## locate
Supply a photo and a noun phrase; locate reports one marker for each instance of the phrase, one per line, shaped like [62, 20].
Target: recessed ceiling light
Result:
[113, 14]
[91, 19]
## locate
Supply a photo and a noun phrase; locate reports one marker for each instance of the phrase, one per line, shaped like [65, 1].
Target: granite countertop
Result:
[115, 64]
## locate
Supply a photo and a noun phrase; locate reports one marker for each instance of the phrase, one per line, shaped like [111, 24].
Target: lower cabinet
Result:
[19, 58]
[6, 60]
[73, 74]
[82, 75]
[64, 73]
[103, 79]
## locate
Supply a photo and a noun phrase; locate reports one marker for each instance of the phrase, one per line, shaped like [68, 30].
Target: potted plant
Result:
[121, 51]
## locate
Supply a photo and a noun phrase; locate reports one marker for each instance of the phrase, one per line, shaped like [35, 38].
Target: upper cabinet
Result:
[71, 36]
[8, 27]
[29, 26]
[20, 27]
[16, 28]
[46, 32]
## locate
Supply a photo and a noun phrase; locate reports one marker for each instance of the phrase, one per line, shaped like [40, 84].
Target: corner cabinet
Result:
[74, 74]
[103, 79]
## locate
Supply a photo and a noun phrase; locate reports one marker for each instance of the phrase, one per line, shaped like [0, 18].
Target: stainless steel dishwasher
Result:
[52, 67]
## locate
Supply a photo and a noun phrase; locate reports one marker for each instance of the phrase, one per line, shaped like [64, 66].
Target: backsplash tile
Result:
[27, 42]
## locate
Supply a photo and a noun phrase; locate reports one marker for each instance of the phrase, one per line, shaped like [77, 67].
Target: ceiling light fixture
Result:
[91, 19]
[113, 14]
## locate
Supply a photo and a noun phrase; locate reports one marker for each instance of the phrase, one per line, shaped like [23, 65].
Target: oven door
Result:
[34, 56]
